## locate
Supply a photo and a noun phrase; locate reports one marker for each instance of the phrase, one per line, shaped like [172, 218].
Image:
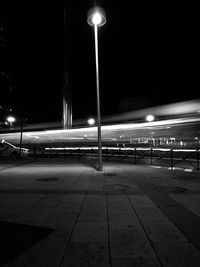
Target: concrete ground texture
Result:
[62, 212]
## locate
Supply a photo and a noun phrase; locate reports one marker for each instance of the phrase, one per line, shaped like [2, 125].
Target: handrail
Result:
[167, 156]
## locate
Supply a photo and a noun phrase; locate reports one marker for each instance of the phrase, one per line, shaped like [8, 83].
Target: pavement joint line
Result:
[52, 211]
[151, 243]
[194, 239]
[108, 224]
[72, 231]
[145, 175]
[77, 179]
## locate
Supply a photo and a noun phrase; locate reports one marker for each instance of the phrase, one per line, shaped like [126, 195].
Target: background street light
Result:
[10, 119]
[96, 18]
[150, 118]
[91, 121]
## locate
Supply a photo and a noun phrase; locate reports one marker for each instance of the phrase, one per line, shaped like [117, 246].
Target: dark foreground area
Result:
[62, 212]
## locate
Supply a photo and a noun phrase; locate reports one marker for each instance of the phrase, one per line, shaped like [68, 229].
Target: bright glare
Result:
[150, 118]
[91, 121]
[11, 119]
[96, 19]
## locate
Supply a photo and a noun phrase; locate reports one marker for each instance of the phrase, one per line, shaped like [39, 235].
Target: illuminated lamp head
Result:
[11, 119]
[91, 121]
[96, 16]
[150, 118]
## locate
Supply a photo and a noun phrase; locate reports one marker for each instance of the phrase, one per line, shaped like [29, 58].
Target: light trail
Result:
[181, 128]
[110, 132]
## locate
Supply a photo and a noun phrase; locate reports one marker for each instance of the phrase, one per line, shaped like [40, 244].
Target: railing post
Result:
[151, 156]
[92, 152]
[171, 164]
[34, 151]
[197, 159]
[135, 155]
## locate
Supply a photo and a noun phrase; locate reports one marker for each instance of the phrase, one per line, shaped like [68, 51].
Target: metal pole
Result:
[197, 159]
[135, 154]
[34, 151]
[98, 98]
[21, 133]
[172, 159]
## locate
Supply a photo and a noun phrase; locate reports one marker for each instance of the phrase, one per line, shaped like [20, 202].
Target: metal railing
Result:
[171, 157]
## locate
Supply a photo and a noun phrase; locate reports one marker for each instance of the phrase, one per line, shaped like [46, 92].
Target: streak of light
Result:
[174, 109]
[156, 167]
[112, 132]
[126, 126]
[174, 168]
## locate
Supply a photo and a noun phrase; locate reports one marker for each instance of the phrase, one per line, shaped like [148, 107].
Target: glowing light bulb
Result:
[96, 19]
[91, 121]
[150, 118]
[11, 119]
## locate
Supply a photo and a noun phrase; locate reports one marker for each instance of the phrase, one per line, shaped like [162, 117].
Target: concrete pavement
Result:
[65, 213]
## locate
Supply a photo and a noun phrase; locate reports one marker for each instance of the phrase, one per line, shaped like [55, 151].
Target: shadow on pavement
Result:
[17, 238]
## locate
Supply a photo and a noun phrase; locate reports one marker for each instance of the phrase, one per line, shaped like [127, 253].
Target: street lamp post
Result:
[97, 18]
[22, 124]
[11, 120]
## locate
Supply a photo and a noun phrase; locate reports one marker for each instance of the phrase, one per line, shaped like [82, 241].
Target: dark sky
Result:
[148, 55]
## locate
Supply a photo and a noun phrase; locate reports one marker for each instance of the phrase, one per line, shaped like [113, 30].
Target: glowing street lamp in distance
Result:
[150, 118]
[11, 119]
[91, 121]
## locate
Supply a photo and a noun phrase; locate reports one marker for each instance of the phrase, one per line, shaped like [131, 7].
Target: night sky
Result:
[148, 55]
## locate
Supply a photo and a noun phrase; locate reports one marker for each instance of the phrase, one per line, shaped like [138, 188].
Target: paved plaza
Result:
[62, 212]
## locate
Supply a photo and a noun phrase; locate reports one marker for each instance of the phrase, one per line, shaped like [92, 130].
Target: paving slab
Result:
[117, 262]
[90, 232]
[87, 254]
[181, 254]
[126, 215]
[158, 231]
[47, 253]
[187, 201]
[130, 243]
